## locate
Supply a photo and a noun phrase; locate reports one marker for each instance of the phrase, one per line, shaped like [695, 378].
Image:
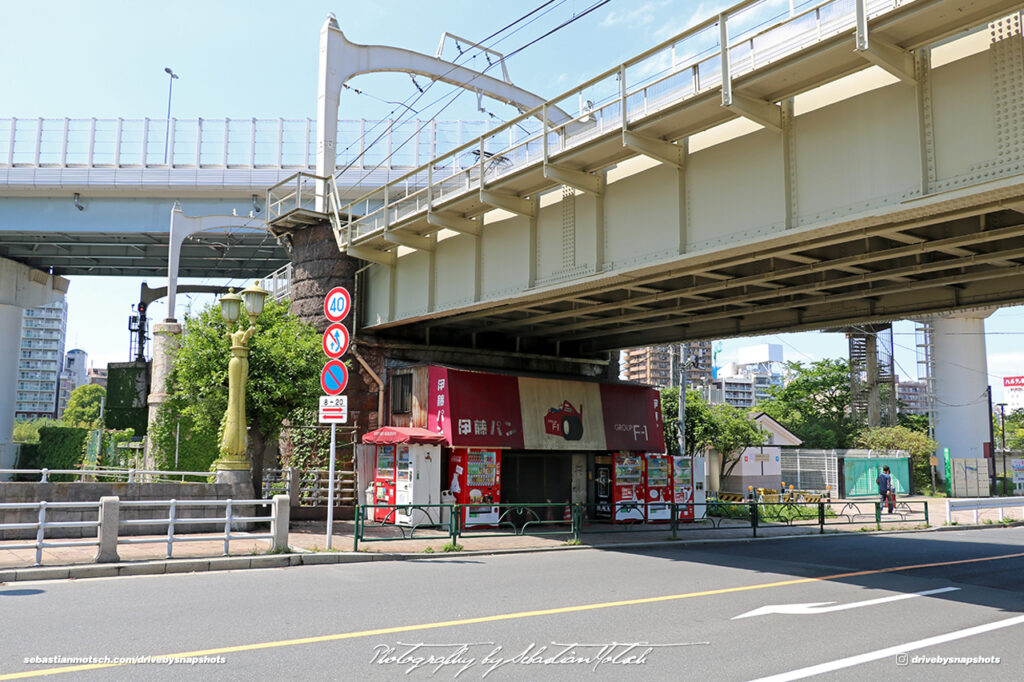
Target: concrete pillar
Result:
[108, 530]
[10, 343]
[961, 381]
[166, 337]
[279, 524]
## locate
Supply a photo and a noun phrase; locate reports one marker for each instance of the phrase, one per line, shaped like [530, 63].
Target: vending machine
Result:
[700, 495]
[682, 487]
[384, 484]
[475, 477]
[417, 481]
[659, 488]
[628, 492]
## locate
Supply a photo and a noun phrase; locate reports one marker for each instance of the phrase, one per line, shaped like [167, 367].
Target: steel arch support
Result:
[182, 227]
[341, 60]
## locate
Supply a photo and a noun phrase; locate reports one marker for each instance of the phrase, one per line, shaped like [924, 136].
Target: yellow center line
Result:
[500, 617]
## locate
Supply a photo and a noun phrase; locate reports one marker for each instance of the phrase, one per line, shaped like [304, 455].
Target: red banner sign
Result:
[477, 409]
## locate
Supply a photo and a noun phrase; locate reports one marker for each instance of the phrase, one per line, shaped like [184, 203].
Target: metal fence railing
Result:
[236, 512]
[108, 474]
[42, 524]
[389, 523]
[228, 143]
[310, 487]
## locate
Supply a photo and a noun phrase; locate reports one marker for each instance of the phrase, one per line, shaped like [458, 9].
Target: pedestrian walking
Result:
[886, 489]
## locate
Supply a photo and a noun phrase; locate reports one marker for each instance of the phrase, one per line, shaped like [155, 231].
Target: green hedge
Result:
[59, 447]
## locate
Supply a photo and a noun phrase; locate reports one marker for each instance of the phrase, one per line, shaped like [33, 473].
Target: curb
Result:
[197, 565]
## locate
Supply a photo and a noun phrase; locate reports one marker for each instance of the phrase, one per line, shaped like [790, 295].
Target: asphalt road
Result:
[846, 607]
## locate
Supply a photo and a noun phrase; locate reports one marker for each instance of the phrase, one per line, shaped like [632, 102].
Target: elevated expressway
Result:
[94, 196]
[858, 161]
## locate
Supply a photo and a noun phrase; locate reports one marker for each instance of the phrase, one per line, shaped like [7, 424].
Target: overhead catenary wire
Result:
[415, 98]
[459, 90]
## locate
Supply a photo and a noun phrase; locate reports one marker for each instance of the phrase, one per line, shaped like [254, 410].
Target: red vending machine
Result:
[628, 488]
[682, 487]
[659, 488]
[384, 483]
[476, 480]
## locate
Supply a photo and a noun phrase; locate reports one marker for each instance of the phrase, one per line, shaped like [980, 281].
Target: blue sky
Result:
[237, 59]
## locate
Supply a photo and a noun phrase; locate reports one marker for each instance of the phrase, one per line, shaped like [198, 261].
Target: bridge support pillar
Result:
[10, 341]
[961, 381]
[317, 267]
[166, 337]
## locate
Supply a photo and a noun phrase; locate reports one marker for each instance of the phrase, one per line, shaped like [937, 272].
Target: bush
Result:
[59, 447]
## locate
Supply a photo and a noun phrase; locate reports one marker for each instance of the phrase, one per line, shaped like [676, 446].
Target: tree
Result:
[918, 444]
[284, 368]
[84, 403]
[698, 421]
[815, 403]
[733, 431]
[914, 422]
[725, 428]
[27, 430]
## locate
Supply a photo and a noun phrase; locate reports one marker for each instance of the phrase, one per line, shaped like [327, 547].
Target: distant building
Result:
[662, 366]
[745, 383]
[912, 397]
[43, 332]
[74, 375]
[98, 376]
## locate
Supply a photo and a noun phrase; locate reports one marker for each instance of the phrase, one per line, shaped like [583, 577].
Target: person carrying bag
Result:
[886, 489]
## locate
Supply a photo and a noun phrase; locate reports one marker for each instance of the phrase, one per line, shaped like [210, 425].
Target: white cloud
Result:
[644, 15]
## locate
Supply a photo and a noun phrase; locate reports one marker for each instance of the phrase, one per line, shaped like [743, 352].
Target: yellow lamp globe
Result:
[230, 307]
[254, 296]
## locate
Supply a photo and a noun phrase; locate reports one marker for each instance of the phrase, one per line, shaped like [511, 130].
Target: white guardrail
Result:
[979, 503]
[220, 143]
[127, 475]
[755, 33]
[108, 524]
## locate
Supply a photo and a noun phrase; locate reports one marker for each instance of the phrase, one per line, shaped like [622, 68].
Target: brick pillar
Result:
[317, 267]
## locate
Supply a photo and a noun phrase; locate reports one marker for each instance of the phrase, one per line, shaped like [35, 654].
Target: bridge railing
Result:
[757, 32]
[220, 143]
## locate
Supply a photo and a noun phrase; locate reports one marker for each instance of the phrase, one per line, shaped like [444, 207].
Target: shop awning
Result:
[387, 435]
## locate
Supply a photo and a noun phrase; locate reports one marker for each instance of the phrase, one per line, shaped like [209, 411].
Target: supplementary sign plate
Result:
[333, 408]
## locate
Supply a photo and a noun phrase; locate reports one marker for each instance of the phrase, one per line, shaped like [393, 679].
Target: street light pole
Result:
[233, 444]
[170, 89]
[1002, 439]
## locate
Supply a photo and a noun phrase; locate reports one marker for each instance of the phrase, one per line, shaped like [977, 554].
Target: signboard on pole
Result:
[336, 340]
[1018, 472]
[337, 303]
[334, 377]
[333, 409]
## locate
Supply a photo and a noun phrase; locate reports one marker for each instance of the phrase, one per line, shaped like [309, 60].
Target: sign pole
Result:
[330, 489]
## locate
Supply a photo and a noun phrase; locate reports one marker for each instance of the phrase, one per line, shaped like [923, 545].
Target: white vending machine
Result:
[418, 481]
[700, 493]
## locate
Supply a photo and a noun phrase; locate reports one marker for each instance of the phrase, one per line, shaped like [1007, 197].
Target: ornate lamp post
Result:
[233, 444]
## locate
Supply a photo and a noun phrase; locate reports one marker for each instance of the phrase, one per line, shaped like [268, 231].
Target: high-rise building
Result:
[75, 374]
[745, 383]
[43, 332]
[663, 365]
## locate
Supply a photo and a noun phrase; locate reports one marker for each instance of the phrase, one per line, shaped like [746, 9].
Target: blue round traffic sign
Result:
[334, 377]
[336, 340]
[337, 303]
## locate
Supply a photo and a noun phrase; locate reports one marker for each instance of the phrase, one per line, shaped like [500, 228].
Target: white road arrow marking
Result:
[822, 606]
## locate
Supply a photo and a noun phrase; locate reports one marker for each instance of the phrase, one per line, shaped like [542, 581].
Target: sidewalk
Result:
[309, 539]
